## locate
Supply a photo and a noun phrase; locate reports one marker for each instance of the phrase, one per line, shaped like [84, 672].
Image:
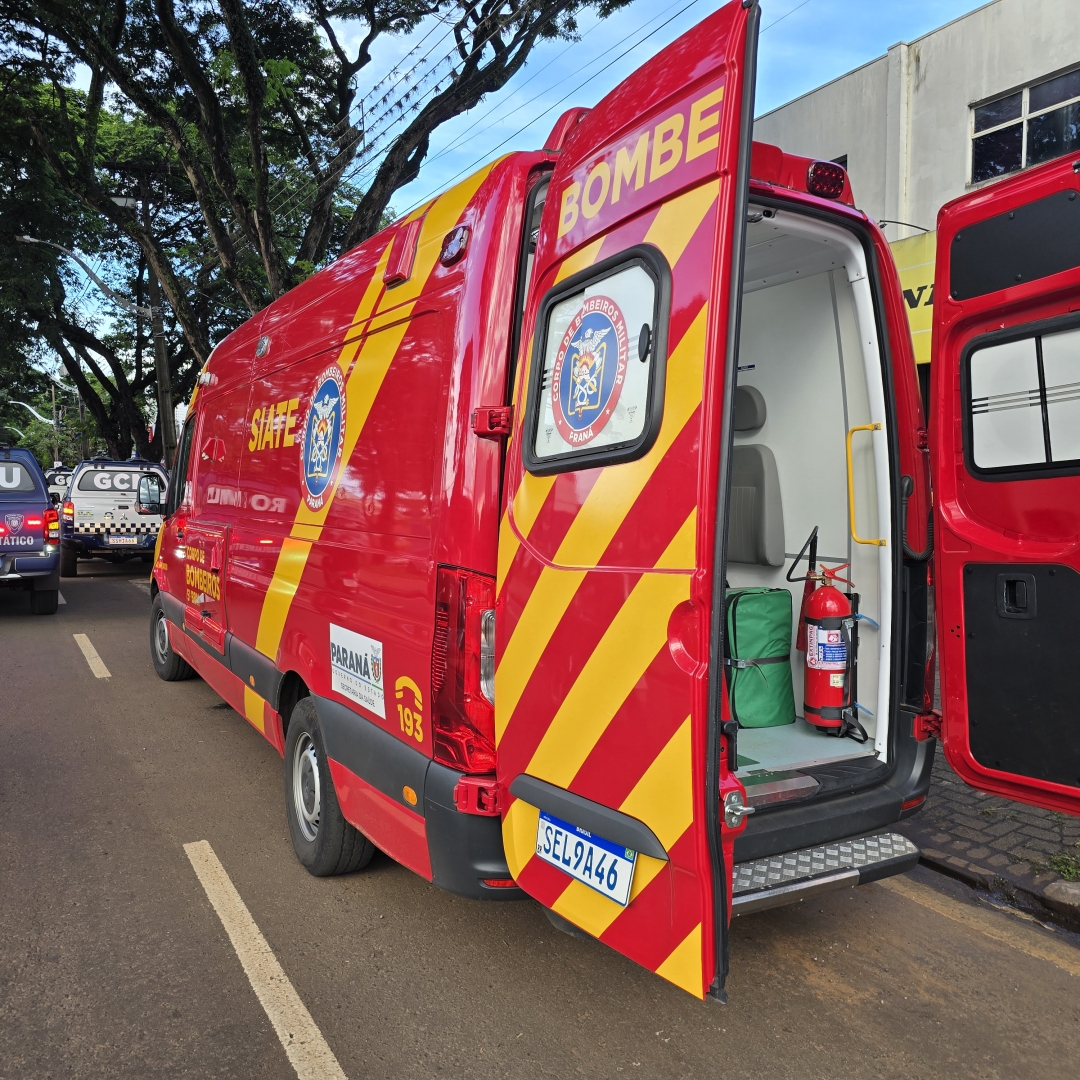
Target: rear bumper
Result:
[15, 568]
[464, 849]
[98, 545]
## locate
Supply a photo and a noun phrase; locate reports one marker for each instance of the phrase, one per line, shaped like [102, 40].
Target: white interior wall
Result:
[802, 348]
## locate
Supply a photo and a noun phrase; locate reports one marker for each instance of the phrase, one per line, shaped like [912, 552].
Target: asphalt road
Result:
[113, 962]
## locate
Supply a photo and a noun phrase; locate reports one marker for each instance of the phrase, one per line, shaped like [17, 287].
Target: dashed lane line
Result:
[990, 923]
[97, 665]
[304, 1044]
[144, 585]
[60, 598]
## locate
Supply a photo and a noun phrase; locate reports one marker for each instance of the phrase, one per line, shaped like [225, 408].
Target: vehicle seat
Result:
[756, 521]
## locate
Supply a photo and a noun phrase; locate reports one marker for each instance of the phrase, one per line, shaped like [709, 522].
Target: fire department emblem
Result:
[322, 438]
[14, 521]
[589, 372]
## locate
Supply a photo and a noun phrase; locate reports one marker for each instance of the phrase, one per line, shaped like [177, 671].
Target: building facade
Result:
[990, 93]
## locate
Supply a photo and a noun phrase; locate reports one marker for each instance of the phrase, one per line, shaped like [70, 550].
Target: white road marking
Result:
[144, 585]
[996, 926]
[60, 598]
[97, 666]
[304, 1044]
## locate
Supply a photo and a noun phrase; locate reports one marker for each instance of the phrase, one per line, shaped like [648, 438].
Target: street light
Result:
[43, 419]
[153, 313]
[8, 427]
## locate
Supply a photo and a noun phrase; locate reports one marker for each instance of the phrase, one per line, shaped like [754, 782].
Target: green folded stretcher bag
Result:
[758, 657]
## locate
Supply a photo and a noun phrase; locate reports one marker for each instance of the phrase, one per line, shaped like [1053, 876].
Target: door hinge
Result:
[927, 725]
[922, 440]
[478, 795]
[493, 421]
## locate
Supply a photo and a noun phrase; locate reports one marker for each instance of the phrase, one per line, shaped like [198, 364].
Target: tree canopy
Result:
[225, 145]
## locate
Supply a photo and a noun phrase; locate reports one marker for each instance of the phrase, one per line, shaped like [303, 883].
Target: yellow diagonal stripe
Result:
[663, 798]
[677, 221]
[362, 385]
[519, 518]
[683, 966]
[519, 835]
[543, 610]
[636, 634]
[599, 518]
[579, 260]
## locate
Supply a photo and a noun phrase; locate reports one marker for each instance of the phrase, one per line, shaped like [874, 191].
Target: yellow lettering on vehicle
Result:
[201, 583]
[629, 167]
[700, 122]
[410, 719]
[667, 146]
[274, 425]
[657, 152]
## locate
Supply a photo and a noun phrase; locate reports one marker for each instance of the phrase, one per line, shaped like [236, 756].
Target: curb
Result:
[1057, 902]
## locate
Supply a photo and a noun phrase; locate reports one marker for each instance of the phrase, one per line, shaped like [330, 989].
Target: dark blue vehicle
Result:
[100, 516]
[29, 531]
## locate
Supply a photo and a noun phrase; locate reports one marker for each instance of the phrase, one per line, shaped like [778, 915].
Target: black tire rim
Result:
[306, 787]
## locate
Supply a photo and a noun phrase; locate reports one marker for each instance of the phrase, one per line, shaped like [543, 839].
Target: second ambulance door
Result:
[604, 590]
[1005, 451]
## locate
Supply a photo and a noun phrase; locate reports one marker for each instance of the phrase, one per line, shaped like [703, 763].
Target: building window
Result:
[1026, 127]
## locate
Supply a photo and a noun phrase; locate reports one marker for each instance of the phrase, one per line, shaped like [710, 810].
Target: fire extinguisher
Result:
[828, 636]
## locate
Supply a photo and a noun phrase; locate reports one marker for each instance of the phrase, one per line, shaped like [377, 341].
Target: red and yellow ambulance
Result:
[585, 511]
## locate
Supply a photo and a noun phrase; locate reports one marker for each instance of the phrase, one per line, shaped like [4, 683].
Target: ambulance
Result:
[572, 537]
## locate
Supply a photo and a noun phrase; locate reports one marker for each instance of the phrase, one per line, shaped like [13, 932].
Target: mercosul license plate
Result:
[606, 867]
[125, 541]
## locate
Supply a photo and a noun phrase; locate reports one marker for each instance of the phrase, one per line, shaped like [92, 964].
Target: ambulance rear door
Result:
[1005, 454]
[607, 723]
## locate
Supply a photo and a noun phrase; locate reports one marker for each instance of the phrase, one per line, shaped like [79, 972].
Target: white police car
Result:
[100, 517]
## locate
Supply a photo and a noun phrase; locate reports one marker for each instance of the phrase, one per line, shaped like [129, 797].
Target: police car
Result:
[57, 478]
[29, 531]
[99, 517]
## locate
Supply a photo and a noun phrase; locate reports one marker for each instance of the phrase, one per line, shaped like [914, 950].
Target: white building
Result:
[990, 93]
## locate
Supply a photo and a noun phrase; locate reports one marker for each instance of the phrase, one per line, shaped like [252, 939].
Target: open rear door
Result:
[606, 719]
[1006, 469]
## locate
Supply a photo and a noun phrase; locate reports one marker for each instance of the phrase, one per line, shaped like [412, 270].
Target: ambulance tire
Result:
[69, 563]
[324, 842]
[169, 666]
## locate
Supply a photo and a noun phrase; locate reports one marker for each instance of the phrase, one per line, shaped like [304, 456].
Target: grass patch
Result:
[1066, 864]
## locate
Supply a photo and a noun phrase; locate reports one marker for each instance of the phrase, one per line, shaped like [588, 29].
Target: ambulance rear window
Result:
[15, 479]
[597, 381]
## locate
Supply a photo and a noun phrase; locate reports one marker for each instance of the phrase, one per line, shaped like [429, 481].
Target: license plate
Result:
[606, 867]
[126, 541]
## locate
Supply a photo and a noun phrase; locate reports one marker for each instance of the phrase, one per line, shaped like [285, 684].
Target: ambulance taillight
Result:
[462, 671]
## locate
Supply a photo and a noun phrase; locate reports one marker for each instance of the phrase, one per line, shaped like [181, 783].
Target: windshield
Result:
[16, 480]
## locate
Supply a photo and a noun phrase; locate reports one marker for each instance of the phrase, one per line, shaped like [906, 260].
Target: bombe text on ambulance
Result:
[632, 160]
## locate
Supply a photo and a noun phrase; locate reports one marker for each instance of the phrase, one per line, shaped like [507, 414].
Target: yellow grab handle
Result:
[879, 542]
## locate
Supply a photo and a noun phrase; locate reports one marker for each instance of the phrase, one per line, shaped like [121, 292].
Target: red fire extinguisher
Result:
[827, 616]
[828, 637]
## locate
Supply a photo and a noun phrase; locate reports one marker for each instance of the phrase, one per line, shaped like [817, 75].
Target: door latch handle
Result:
[735, 809]
[1015, 595]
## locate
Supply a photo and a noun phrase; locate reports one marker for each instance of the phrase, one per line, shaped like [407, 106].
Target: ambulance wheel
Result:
[69, 563]
[323, 840]
[169, 666]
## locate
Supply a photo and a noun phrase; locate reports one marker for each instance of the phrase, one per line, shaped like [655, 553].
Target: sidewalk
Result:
[1021, 853]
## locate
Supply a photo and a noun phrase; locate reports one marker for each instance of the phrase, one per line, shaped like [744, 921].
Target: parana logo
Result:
[321, 442]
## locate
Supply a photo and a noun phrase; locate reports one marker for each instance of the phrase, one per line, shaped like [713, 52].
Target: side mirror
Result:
[151, 497]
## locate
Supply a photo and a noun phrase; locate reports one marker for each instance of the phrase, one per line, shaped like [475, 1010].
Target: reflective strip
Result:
[633, 638]
[676, 222]
[366, 360]
[683, 966]
[253, 709]
[600, 516]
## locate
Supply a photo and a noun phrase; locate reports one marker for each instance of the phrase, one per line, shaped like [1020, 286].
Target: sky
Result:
[803, 44]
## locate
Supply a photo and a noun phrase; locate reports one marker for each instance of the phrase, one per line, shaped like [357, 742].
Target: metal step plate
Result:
[787, 878]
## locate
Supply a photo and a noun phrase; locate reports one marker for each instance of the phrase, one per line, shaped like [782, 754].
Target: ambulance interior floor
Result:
[793, 746]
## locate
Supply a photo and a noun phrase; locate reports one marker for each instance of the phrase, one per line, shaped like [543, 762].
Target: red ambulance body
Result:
[456, 522]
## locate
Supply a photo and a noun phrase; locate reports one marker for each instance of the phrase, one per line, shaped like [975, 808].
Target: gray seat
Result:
[756, 520]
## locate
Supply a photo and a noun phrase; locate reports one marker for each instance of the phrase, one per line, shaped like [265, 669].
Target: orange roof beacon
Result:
[585, 511]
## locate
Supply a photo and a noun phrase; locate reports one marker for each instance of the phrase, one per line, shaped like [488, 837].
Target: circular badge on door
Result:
[322, 437]
[589, 372]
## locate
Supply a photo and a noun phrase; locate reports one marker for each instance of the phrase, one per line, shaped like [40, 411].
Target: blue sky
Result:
[804, 43]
